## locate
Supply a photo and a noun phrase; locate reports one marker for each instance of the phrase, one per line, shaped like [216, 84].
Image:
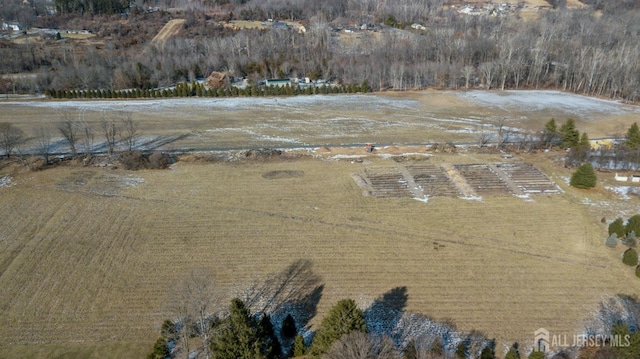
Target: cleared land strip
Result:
[444, 237]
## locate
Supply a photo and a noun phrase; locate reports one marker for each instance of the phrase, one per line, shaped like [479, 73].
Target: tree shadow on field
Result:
[385, 312]
[295, 291]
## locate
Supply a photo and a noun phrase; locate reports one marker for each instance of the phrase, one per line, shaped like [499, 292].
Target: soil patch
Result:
[282, 174]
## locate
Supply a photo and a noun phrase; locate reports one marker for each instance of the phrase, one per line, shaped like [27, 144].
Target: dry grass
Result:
[168, 31]
[79, 268]
[87, 255]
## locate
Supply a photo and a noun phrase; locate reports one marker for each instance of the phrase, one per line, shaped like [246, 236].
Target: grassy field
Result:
[391, 117]
[88, 256]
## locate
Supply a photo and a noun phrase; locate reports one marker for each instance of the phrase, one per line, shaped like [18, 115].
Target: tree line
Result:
[200, 90]
[568, 49]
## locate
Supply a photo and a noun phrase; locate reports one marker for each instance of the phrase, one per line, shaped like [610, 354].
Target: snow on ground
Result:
[347, 102]
[6, 181]
[587, 107]
[622, 191]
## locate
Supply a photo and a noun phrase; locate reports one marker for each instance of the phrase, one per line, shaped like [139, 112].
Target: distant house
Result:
[13, 26]
[277, 82]
[280, 25]
[601, 144]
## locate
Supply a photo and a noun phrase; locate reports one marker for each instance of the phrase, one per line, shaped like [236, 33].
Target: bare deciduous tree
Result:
[43, 141]
[196, 302]
[68, 130]
[358, 345]
[10, 137]
[129, 131]
[110, 133]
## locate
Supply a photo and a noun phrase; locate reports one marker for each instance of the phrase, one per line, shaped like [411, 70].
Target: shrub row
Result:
[199, 90]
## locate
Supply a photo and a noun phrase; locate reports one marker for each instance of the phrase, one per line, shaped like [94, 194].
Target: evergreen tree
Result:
[487, 353]
[513, 352]
[271, 347]
[633, 137]
[585, 177]
[240, 336]
[612, 241]
[437, 349]
[160, 349]
[411, 351]
[584, 140]
[617, 227]
[289, 330]
[343, 318]
[569, 135]
[630, 257]
[299, 347]
[630, 240]
[536, 355]
[633, 224]
[461, 350]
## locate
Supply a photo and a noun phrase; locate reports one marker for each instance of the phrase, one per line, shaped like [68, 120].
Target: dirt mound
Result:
[282, 174]
[262, 153]
[323, 150]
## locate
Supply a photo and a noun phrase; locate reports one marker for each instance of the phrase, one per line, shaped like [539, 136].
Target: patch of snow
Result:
[131, 181]
[472, 198]
[526, 197]
[622, 191]
[345, 157]
[6, 182]
[389, 155]
[423, 200]
[535, 100]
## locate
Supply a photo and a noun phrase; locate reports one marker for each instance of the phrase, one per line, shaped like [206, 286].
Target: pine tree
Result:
[630, 240]
[343, 318]
[570, 136]
[299, 347]
[271, 347]
[411, 351]
[461, 350]
[289, 327]
[617, 227]
[487, 353]
[584, 140]
[633, 137]
[585, 177]
[160, 349]
[630, 257]
[612, 241]
[240, 336]
[513, 352]
[437, 349]
[633, 224]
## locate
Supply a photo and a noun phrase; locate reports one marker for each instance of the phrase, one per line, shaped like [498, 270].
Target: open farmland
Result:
[89, 256]
[398, 118]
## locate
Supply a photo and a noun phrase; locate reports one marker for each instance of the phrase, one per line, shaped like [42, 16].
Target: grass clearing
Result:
[81, 266]
[89, 255]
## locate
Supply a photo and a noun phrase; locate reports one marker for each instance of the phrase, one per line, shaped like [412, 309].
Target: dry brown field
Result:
[88, 256]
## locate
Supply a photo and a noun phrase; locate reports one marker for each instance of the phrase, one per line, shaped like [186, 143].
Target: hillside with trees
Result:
[579, 49]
